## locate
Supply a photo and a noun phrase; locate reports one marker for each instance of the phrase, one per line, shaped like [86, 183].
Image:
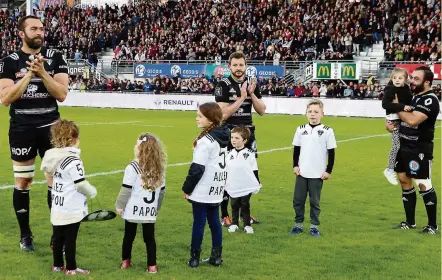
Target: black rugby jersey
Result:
[228, 90]
[36, 107]
[419, 139]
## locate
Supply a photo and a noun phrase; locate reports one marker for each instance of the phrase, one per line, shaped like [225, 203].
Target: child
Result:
[397, 87]
[138, 201]
[243, 179]
[312, 142]
[69, 191]
[206, 180]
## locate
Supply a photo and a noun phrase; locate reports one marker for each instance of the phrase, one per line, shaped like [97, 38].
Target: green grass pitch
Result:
[358, 207]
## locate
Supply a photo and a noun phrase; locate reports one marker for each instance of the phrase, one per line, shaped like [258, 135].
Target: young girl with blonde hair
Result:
[69, 192]
[141, 196]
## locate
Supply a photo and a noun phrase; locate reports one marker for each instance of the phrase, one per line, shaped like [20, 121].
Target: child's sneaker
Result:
[314, 232]
[26, 243]
[296, 230]
[405, 226]
[57, 268]
[430, 230]
[152, 269]
[249, 229]
[233, 228]
[391, 176]
[77, 271]
[254, 220]
[226, 221]
[126, 264]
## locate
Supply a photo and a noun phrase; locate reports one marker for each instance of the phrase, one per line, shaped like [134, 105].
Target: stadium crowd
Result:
[204, 30]
[369, 89]
[416, 32]
[263, 30]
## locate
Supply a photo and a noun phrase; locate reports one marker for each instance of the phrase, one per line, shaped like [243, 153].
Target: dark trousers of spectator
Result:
[312, 187]
[225, 205]
[201, 213]
[65, 236]
[130, 231]
[241, 204]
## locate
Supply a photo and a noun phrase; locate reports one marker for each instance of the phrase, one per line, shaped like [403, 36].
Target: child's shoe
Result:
[233, 228]
[226, 221]
[152, 269]
[296, 230]
[314, 232]
[77, 271]
[126, 264]
[57, 268]
[248, 229]
[254, 220]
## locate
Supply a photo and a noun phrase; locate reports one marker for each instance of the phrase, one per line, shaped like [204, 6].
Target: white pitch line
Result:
[98, 123]
[187, 163]
[153, 125]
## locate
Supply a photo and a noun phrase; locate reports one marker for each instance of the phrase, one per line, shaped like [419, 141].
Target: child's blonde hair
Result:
[64, 133]
[398, 70]
[243, 131]
[315, 101]
[152, 160]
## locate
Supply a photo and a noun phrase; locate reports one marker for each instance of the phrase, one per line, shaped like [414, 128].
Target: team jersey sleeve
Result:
[61, 65]
[428, 105]
[130, 176]
[76, 171]
[296, 138]
[222, 92]
[7, 70]
[331, 140]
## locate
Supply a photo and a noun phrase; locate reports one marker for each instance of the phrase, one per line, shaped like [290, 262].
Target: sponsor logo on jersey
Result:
[414, 165]
[218, 91]
[20, 151]
[32, 89]
[22, 73]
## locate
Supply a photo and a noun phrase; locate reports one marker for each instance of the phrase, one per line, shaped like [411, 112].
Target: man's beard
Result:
[240, 77]
[418, 88]
[32, 43]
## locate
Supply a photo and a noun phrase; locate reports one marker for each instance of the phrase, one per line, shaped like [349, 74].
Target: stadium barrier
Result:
[275, 105]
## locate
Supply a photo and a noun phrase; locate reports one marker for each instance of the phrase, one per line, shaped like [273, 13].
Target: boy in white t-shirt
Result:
[242, 180]
[313, 143]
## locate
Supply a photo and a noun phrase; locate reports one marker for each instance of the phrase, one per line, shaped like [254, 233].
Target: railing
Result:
[117, 67]
[385, 68]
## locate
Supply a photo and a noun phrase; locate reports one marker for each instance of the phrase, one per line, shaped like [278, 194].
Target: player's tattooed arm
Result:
[10, 91]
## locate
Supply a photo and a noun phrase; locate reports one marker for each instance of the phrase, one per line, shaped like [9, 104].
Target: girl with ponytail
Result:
[206, 180]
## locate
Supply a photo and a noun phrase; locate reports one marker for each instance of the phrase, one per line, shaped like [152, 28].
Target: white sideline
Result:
[96, 123]
[186, 163]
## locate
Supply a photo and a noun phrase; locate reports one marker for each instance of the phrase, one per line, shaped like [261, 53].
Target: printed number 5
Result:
[80, 170]
[223, 163]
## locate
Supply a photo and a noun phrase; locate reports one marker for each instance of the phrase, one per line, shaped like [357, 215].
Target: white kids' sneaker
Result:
[233, 228]
[391, 176]
[249, 229]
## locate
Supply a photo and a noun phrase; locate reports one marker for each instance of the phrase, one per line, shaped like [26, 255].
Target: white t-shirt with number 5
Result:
[210, 188]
